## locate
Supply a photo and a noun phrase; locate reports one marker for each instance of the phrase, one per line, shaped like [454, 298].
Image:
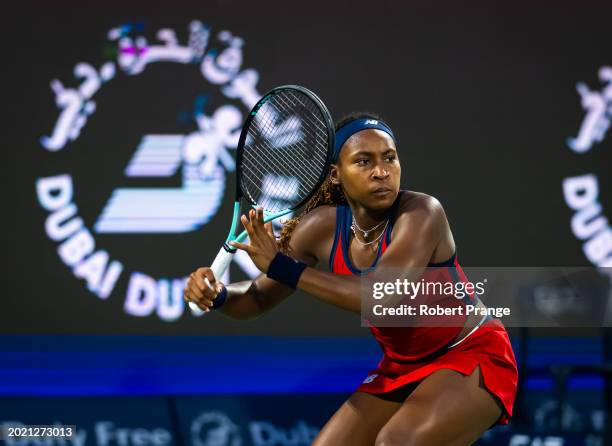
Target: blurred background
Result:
[121, 128]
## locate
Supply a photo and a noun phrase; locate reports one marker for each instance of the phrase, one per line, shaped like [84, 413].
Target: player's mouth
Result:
[380, 191]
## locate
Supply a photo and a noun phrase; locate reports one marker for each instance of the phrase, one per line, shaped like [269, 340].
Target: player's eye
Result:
[362, 162]
[390, 158]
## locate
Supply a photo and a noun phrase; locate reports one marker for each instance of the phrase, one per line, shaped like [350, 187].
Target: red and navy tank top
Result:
[402, 344]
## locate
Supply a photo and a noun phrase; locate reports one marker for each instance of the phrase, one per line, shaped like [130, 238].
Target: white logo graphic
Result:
[598, 107]
[217, 429]
[589, 223]
[201, 159]
[214, 429]
[581, 192]
[371, 122]
[76, 103]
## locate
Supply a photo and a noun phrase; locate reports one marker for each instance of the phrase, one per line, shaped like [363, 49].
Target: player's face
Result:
[368, 169]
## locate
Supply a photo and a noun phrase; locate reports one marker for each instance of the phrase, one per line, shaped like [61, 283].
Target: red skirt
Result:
[489, 347]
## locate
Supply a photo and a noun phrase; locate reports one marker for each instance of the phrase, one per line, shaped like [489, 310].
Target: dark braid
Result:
[328, 194]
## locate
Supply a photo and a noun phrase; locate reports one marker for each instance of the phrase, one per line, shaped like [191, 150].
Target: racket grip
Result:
[195, 309]
[222, 261]
[219, 266]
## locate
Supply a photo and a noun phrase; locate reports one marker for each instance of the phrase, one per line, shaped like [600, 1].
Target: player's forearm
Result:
[347, 291]
[242, 301]
[340, 290]
[251, 298]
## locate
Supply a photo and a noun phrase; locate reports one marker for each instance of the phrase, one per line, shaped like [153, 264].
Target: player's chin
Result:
[382, 199]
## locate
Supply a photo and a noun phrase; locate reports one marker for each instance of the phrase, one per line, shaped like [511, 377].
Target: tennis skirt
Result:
[488, 347]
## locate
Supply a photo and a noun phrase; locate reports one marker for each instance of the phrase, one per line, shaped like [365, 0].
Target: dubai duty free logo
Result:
[215, 429]
[200, 158]
[589, 223]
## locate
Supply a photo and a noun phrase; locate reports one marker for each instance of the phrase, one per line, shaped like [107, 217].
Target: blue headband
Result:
[348, 130]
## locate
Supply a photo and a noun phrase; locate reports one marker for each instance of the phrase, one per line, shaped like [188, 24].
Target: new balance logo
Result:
[370, 378]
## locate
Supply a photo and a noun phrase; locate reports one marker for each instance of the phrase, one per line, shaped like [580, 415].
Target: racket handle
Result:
[222, 261]
[219, 266]
[195, 309]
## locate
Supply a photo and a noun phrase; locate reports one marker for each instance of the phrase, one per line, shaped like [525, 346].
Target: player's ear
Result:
[334, 175]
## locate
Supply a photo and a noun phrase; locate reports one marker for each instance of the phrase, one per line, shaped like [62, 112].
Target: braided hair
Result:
[328, 194]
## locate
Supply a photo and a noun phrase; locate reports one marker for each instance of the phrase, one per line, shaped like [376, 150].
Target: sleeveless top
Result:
[404, 344]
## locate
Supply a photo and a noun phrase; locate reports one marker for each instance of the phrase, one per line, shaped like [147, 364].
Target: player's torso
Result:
[401, 343]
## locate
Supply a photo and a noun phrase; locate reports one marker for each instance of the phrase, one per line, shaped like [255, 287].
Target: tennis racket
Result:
[283, 155]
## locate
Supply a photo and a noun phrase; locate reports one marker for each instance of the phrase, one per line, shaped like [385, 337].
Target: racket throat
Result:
[229, 249]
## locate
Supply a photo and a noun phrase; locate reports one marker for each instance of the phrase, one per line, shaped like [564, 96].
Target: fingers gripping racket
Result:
[283, 156]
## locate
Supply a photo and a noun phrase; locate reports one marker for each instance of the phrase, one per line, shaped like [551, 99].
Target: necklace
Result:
[366, 233]
[354, 225]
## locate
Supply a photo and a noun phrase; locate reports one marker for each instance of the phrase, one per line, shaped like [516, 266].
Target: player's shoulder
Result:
[313, 236]
[320, 218]
[412, 201]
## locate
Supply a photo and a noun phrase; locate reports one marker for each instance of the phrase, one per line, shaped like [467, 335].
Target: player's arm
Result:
[249, 299]
[245, 300]
[418, 229]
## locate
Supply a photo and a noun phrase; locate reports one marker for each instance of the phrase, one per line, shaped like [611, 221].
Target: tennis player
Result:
[436, 385]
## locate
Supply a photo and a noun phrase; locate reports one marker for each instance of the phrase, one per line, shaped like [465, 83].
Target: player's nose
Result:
[380, 172]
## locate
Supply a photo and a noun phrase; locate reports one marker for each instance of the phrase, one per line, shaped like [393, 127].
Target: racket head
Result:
[285, 149]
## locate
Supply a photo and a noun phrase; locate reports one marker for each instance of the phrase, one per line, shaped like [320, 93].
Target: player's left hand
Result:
[262, 245]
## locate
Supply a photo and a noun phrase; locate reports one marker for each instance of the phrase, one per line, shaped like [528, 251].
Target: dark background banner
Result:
[482, 99]
[258, 420]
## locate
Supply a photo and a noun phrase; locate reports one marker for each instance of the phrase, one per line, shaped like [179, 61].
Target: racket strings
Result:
[285, 152]
[320, 124]
[317, 134]
[276, 188]
[311, 137]
[312, 178]
[320, 130]
[256, 174]
[256, 167]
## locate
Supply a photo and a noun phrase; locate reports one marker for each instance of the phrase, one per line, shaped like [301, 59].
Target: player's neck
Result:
[366, 218]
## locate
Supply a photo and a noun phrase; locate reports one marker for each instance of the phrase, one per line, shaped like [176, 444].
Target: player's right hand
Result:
[202, 288]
